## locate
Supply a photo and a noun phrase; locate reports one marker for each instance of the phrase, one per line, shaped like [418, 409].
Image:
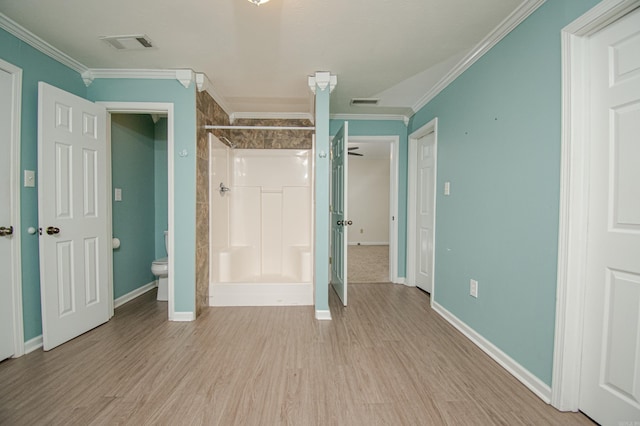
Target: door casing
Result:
[431, 126]
[148, 108]
[16, 257]
[574, 192]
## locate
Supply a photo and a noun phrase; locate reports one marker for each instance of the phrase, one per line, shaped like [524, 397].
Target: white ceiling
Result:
[258, 58]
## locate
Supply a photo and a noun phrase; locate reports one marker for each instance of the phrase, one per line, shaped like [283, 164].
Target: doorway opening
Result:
[139, 202]
[158, 111]
[372, 207]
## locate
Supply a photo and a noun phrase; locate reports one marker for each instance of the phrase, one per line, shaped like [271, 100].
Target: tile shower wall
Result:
[208, 113]
[272, 139]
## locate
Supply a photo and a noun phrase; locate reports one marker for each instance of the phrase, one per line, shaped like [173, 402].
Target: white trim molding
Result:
[574, 199]
[376, 117]
[32, 344]
[323, 315]
[535, 385]
[521, 13]
[204, 84]
[15, 272]
[322, 80]
[135, 293]
[183, 316]
[36, 42]
[164, 108]
[184, 76]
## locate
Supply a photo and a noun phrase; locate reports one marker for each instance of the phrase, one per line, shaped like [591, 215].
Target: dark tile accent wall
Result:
[272, 139]
[208, 112]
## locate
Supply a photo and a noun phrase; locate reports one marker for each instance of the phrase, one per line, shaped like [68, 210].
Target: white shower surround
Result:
[261, 230]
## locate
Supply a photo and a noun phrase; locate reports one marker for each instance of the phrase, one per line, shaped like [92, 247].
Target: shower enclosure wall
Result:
[261, 226]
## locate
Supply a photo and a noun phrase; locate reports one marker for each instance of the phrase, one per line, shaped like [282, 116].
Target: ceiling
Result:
[258, 57]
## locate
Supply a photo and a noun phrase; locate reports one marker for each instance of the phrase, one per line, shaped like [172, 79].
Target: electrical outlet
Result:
[473, 288]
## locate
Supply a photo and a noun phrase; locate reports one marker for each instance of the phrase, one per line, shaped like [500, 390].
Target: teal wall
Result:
[388, 128]
[35, 67]
[322, 173]
[499, 146]
[132, 170]
[184, 104]
[161, 187]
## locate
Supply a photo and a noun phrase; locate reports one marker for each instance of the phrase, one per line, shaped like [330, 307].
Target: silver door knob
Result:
[53, 230]
[6, 230]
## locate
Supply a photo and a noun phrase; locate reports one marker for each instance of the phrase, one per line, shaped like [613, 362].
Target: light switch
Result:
[118, 194]
[29, 178]
[447, 188]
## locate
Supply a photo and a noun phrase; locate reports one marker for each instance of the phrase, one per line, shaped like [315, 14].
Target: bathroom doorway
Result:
[138, 184]
[139, 201]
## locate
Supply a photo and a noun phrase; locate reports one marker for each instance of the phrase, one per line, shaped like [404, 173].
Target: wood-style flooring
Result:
[386, 359]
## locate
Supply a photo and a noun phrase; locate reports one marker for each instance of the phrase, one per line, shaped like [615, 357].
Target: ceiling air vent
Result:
[364, 101]
[128, 42]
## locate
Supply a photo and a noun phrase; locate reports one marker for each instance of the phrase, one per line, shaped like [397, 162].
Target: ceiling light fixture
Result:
[258, 2]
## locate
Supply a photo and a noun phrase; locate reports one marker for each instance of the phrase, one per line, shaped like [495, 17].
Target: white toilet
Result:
[160, 268]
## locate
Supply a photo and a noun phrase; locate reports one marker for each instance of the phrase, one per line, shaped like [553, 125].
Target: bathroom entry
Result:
[139, 201]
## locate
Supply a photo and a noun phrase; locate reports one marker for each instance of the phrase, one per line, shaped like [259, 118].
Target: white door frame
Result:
[431, 126]
[394, 142]
[146, 108]
[574, 197]
[16, 257]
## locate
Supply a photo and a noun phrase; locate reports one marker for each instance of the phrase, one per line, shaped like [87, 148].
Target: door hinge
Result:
[330, 260]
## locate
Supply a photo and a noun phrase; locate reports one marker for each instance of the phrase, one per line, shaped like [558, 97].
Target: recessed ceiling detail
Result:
[128, 42]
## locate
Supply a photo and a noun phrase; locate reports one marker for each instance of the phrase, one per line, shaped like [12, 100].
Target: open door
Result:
[73, 215]
[339, 216]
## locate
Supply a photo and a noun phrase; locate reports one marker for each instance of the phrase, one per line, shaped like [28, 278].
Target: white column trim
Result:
[322, 80]
[574, 200]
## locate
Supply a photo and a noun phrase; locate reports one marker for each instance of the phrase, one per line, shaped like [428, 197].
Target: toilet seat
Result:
[160, 266]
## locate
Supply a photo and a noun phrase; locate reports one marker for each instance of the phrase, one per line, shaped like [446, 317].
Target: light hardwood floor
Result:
[386, 359]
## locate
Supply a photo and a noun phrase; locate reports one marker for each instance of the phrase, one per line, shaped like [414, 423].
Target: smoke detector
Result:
[365, 101]
[128, 42]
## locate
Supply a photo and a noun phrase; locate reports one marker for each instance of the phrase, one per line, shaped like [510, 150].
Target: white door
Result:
[72, 198]
[7, 328]
[425, 196]
[339, 221]
[610, 377]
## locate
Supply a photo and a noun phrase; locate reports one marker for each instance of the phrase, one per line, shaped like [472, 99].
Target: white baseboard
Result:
[183, 316]
[133, 294]
[261, 294]
[33, 344]
[399, 280]
[323, 315]
[537, 386]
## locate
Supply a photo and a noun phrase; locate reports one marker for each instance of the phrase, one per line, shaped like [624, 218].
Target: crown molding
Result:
[505, 27]
[204, 84]
[273, 116]
[36, 42]
[376, 117]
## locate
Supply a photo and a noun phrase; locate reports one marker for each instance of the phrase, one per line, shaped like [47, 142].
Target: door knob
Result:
[340, 223]
[53, 230]
[4, 231]
[349, 222]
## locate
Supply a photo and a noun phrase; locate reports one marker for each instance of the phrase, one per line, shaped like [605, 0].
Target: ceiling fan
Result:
[354, 153]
